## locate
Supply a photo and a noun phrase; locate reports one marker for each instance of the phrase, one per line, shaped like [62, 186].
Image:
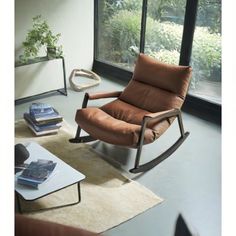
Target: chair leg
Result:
[149, 165]
[83, 139]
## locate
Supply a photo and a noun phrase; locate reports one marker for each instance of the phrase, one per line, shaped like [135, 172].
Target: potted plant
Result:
[40, 36]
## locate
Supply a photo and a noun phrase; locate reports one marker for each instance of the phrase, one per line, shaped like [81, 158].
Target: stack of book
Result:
[43, 119]
[36, 173]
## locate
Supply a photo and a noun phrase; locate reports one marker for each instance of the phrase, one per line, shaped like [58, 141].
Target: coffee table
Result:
[63, 176]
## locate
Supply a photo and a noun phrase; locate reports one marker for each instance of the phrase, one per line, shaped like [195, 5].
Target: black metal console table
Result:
[37, 60]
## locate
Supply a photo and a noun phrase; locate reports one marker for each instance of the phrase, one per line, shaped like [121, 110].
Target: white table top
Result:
[62, 176]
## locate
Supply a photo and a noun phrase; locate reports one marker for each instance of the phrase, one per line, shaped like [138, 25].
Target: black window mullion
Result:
[188, 32]
[143, 26]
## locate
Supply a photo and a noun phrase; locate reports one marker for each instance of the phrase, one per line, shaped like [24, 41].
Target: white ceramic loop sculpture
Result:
[85, 73]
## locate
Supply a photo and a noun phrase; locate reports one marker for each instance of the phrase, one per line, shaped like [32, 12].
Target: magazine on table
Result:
[36, 173]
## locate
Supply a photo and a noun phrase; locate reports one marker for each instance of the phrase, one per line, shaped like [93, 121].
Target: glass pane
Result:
[164, 29]
[206, 52]
[119, 23]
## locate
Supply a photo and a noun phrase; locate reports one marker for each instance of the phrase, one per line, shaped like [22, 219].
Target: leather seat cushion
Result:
[134, 115]
[103, 126]
[125, 111]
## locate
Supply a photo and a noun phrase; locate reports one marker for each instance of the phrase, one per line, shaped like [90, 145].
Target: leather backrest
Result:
[157, 86]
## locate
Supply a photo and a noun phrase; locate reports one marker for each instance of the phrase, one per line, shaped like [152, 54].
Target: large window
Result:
[164, 30]
[118, 31]
[206, 52]
[158, 29]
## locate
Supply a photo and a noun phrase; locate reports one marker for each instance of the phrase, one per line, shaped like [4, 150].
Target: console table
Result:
[38, 60]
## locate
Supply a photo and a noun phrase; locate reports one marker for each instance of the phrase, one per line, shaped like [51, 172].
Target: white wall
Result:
[74, 20]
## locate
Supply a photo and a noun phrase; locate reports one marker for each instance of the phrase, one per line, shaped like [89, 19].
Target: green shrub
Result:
[132, 5]
[206, 52]
[122, 32]
[163, 35]
[167, 56]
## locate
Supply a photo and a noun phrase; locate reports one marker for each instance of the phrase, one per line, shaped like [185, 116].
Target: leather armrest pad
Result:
[167, 113]
[99, 95]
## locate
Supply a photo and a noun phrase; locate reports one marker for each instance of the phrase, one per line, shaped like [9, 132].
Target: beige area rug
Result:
[108, 198]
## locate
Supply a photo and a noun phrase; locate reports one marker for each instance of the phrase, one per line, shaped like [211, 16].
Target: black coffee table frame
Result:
[19, 198]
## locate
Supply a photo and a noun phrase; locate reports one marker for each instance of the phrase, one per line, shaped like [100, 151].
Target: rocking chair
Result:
[141, 113]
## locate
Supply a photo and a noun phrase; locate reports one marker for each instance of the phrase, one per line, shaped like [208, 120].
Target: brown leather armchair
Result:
[141, 113]
[26, 226]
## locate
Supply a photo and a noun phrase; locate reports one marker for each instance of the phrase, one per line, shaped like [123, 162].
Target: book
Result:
[36, 173]
[48, 117]
[42, 132]
[37, 109]
[51, 120]
[43, 119]
[41, 126]
[43, 112]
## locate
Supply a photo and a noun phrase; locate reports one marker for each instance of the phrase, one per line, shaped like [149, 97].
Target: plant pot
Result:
[51, 52]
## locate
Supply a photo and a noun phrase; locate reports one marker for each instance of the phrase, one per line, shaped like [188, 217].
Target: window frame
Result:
[193, 104]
